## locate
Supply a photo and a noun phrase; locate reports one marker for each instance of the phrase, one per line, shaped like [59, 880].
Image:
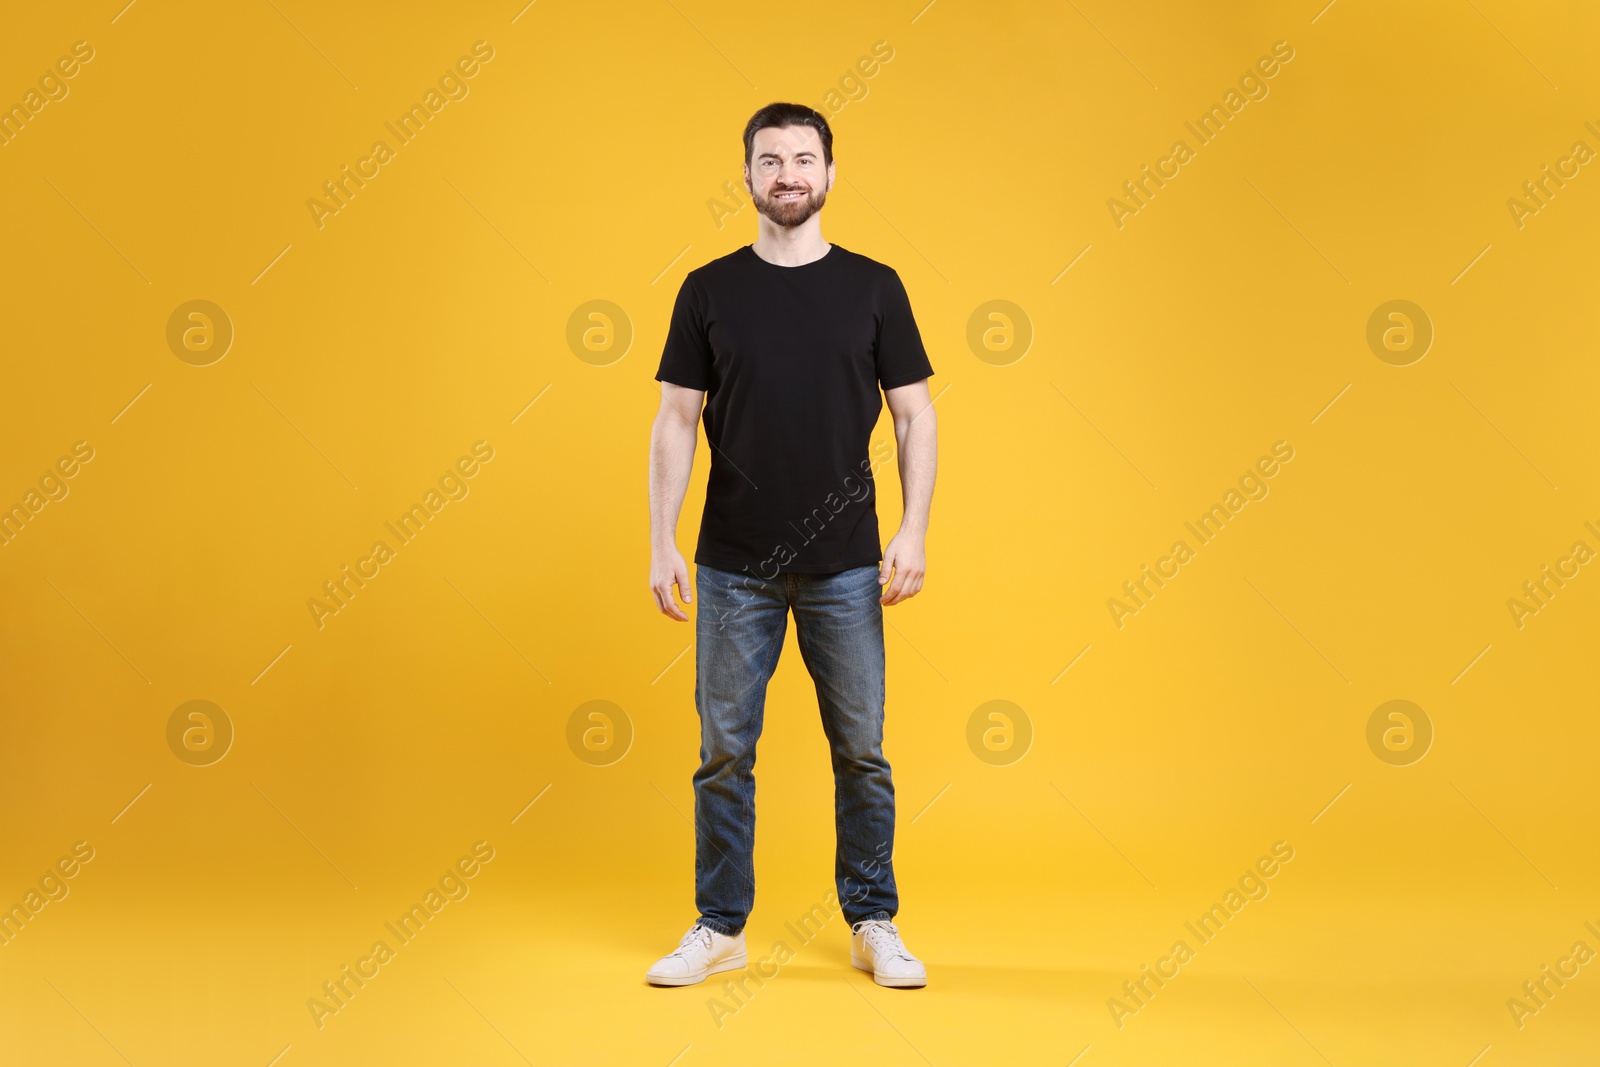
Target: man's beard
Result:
[790, 212]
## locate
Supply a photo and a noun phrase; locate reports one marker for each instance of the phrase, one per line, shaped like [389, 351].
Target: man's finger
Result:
[680, 579]
[672, 608]
[909, 585]
[890, 594]
[664, 602]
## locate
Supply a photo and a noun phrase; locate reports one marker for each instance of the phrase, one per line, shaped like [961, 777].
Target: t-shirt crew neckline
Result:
[819, 261]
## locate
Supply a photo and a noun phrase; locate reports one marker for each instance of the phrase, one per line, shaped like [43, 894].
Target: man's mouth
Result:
[792, 194]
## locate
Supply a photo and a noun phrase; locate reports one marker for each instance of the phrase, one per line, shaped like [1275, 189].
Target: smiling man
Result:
[787, 343]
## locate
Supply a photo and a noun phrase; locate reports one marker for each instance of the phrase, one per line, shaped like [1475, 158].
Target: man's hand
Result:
[666, 570]
[906, 558]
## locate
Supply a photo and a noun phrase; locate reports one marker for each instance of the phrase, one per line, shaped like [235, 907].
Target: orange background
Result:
[434, 310]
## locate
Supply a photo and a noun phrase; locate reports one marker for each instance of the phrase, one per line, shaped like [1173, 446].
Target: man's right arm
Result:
[672, 444]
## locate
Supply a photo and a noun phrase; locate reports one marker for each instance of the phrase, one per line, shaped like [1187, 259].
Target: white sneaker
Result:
[875, 946]
[702, 952]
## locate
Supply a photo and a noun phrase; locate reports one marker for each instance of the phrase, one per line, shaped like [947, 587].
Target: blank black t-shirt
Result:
[791, 360]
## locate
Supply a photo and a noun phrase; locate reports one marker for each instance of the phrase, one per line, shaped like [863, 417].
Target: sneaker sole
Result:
[893, 983]
[732, 963]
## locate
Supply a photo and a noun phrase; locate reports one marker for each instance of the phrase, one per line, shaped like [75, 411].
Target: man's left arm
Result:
[916, 434]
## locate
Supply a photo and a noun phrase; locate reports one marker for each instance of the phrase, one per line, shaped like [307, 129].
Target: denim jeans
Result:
[740, 626]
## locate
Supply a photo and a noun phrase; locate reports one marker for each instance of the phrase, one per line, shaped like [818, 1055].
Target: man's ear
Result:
[829, 189]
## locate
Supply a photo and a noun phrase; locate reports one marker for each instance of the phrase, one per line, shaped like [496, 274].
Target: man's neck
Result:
[791, 246]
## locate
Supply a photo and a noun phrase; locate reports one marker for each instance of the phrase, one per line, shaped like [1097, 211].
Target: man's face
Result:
[787, 178]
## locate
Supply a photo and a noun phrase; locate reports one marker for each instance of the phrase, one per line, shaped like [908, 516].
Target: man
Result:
[788, 341]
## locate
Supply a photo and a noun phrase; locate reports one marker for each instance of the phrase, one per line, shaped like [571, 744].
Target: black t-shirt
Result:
[791, 360]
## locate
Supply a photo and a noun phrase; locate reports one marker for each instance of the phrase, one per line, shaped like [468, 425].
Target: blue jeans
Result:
[739, 628]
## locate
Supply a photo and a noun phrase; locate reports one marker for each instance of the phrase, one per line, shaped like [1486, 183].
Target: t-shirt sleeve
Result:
[686, 356]
[900, 355]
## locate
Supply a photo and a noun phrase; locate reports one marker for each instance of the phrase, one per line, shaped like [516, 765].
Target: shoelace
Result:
[697, 934]
[884, 939]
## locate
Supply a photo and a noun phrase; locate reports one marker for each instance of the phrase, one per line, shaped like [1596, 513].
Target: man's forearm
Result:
[671, 461]
[918, 462]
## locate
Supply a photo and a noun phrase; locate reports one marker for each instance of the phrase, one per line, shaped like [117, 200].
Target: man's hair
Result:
[777, 114]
